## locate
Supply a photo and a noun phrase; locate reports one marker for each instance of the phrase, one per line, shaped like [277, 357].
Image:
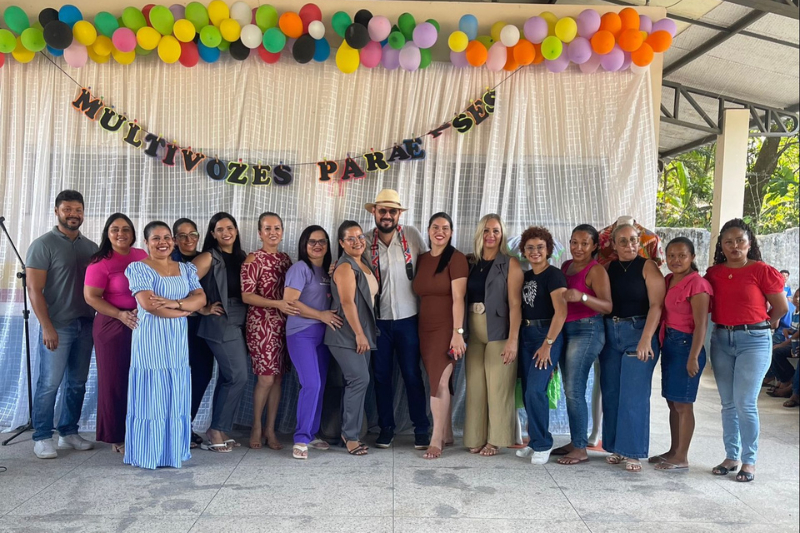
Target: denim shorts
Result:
[676, 385]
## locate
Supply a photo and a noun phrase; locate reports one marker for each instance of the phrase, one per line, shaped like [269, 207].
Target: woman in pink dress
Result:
[263, 277]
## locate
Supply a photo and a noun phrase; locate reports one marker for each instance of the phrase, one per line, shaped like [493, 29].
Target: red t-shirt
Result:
[677, 311]
[739, 293]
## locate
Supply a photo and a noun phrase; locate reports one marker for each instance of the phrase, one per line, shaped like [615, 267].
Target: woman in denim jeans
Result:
[741, 345]
[631, 350]
[683, 357]
[588, 296]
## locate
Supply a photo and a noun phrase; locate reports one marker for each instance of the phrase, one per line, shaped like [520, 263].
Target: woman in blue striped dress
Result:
[158, 425]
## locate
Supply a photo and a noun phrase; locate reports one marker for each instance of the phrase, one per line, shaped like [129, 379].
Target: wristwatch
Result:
[460, 331]
[180, 305]
[548, 340]
[584, 297]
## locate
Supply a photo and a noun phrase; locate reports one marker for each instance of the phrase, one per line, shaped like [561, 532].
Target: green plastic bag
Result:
[519, 403]
[554, 389]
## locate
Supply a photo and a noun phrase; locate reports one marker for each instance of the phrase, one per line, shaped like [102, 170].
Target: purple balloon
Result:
[588, 23]
[535, 29]
[425, 35]
[459, 59]
[391, 58]
[591, 66]
[178, 11]
[558, 64]
[667, 25]
[579, 50]
[613, 60]
[627, 61]
[645, 24]
[410, 57]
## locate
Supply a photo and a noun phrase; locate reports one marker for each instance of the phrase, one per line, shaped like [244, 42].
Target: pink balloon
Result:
[588, 23]
[558, 64]
[645, 24]
[76, 55]
[667, 25]
[459, 59]
[124, 39]
[613, 60]
[379, 28]
[390, 59]
[579, 50]
[371, 54]
[498, 55]
[535, 29]
[410, 57]
[591, 65]
[178, 11]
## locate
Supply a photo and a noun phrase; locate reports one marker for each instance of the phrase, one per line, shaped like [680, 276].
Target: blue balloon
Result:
[209, 55]
[54, 51]
[322, 51]
[469, 25]
[69, 15]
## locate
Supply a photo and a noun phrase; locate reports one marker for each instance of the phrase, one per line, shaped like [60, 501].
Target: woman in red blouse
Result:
[741, 345]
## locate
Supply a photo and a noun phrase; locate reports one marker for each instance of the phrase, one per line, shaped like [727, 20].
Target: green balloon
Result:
[33, 40]
[266, 17]
[7, 42]
[552, 48]
[435, 25]
[197, 14]
[224, 45]
[485, 40]
[210, 36]
[406, 23]
[133, 18]
[424, 57]
[396, 40]
[274, 40]
[142, 52]
[106, 24]
[162, 20]
[340, 22]
[16, 19]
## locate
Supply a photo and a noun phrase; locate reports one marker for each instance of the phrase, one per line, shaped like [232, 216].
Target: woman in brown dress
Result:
[441, 283]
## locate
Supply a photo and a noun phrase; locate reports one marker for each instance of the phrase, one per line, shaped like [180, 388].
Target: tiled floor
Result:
[397, 490]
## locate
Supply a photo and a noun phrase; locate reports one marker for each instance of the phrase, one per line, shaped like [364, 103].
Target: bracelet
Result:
[180, 305]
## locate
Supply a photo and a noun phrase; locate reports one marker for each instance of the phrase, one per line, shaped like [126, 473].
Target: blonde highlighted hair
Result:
[478, 242]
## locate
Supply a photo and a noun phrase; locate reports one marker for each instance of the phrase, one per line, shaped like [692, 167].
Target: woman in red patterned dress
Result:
[263, 276]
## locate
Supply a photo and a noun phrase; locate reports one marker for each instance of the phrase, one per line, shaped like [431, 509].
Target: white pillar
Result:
[730, 169]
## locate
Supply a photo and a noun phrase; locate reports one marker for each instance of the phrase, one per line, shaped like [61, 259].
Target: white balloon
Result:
[251, 36]
[316, 29]
[241, 13]
[509, 35]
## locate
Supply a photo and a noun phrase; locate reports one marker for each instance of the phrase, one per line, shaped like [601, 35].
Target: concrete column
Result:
[730, 169]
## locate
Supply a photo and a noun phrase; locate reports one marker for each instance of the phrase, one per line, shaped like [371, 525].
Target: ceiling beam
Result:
[784, 8]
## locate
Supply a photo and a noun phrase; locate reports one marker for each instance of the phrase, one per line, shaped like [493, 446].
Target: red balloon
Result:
[2, 60]
[189, 54]
[268, 57]
[308, 14]
[146, 12]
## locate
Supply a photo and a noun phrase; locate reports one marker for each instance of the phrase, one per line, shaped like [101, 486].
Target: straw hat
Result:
[388, 198]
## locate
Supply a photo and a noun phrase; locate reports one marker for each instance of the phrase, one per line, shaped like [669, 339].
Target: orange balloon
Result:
[611, 22]
[524, 52]
[643, 56]
[476, 54]
[291, 24]
[629, 18]
[537, 54]
[511, 63]
[630, 40]
[602, 42]
[659, 41]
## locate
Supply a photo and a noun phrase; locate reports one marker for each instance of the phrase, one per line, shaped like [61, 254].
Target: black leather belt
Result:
[745, 327]
[627, 318]
[540, 322]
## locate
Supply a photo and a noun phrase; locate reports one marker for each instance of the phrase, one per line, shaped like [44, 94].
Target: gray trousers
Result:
[233, 370]
[355, 369]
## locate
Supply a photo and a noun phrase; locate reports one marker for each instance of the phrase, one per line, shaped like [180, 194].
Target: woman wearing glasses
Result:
[308, 287]
[353, 289]
[201, 360]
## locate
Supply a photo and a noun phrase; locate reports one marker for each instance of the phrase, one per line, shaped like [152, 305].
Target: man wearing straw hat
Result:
[393, 251]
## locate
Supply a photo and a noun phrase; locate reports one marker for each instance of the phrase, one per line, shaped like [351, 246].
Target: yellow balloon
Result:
[566, 29]
[22, 54]
[97, 58]
[169, 49]
[347, 59]
[184, 30]
[497, 27]
[218, 11]
[458, 41]
[124, 58]
[551, 20]
[83, 31]
[103, 46]
[230, 30]
[644, 35]
[148, 38]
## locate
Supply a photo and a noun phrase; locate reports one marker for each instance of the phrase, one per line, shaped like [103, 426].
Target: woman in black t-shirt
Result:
[541, 342]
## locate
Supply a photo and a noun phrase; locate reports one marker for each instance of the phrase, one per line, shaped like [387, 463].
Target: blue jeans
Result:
[740, 360]
[583, 341]
[71, 358]
[400, 337]
[625, 382]
[534, 383]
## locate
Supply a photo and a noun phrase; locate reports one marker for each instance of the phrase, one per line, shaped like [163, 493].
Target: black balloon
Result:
[46, 15]
[57, 35]
[239, 51]
[356, 36]
[304, 48]
[363, 16]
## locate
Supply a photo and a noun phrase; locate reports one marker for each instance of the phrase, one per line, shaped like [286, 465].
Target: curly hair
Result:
[537, 232]
[737, 223]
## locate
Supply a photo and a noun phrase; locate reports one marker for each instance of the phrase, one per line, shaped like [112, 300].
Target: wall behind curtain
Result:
[560, 149]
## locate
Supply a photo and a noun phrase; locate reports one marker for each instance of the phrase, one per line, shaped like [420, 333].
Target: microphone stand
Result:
[25, 316]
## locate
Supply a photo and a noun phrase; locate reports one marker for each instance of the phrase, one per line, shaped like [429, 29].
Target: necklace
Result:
[747, 260]
[483, 264]
[625, 268]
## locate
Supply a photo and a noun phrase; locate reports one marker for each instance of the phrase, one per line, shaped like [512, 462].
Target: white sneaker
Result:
[525, 452]
[44, 449]
[74, 441]
[540, 458]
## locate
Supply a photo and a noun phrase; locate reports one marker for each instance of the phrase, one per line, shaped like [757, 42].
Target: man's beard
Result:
[69, 223]
[390, 229]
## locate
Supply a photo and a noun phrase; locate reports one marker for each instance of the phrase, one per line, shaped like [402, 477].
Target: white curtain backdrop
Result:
[560, 149]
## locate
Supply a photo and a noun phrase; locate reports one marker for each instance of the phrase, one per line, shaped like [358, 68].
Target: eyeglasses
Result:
[391, 212]
[531, 249]
[318, 242]
[191, 236]
[633, 241]
[157, 239]
[353, 240]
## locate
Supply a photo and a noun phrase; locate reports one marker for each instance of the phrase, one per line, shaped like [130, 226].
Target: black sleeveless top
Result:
[476, 282]
[233, 268]
[628, 288]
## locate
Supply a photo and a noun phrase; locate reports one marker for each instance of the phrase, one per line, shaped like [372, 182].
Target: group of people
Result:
[164, 315]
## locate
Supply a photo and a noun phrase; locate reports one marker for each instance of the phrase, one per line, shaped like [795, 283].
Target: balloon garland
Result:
[191, 33]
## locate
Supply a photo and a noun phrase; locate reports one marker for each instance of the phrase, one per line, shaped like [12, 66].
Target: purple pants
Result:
[310, 358]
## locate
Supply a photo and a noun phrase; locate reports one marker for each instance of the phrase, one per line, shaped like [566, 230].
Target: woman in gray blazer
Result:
[353, 289]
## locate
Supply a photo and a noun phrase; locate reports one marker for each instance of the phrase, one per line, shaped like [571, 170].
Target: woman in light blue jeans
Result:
[741, 345]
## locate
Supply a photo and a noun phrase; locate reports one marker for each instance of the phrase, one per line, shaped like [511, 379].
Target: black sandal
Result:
[361, 449]
[745, 477]
[721, 470]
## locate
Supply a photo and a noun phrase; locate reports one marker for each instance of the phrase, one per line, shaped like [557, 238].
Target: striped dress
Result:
[158, 425]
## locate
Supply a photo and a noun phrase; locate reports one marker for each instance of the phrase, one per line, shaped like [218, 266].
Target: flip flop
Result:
[319, 444]
[232, 443]
[791, 403]
[490, 450]
[216, 448]
[633, 465]
[300, 451]
[615, 459]
[656, 459]
[569, 461]
[561, 450]
[670, 467]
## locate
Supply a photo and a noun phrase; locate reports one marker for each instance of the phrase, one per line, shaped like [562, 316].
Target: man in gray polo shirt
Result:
[56, 267]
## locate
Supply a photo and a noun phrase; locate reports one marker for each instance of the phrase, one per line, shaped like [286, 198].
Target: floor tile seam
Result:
[222, 485]
[561, 489]
[720, 483]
